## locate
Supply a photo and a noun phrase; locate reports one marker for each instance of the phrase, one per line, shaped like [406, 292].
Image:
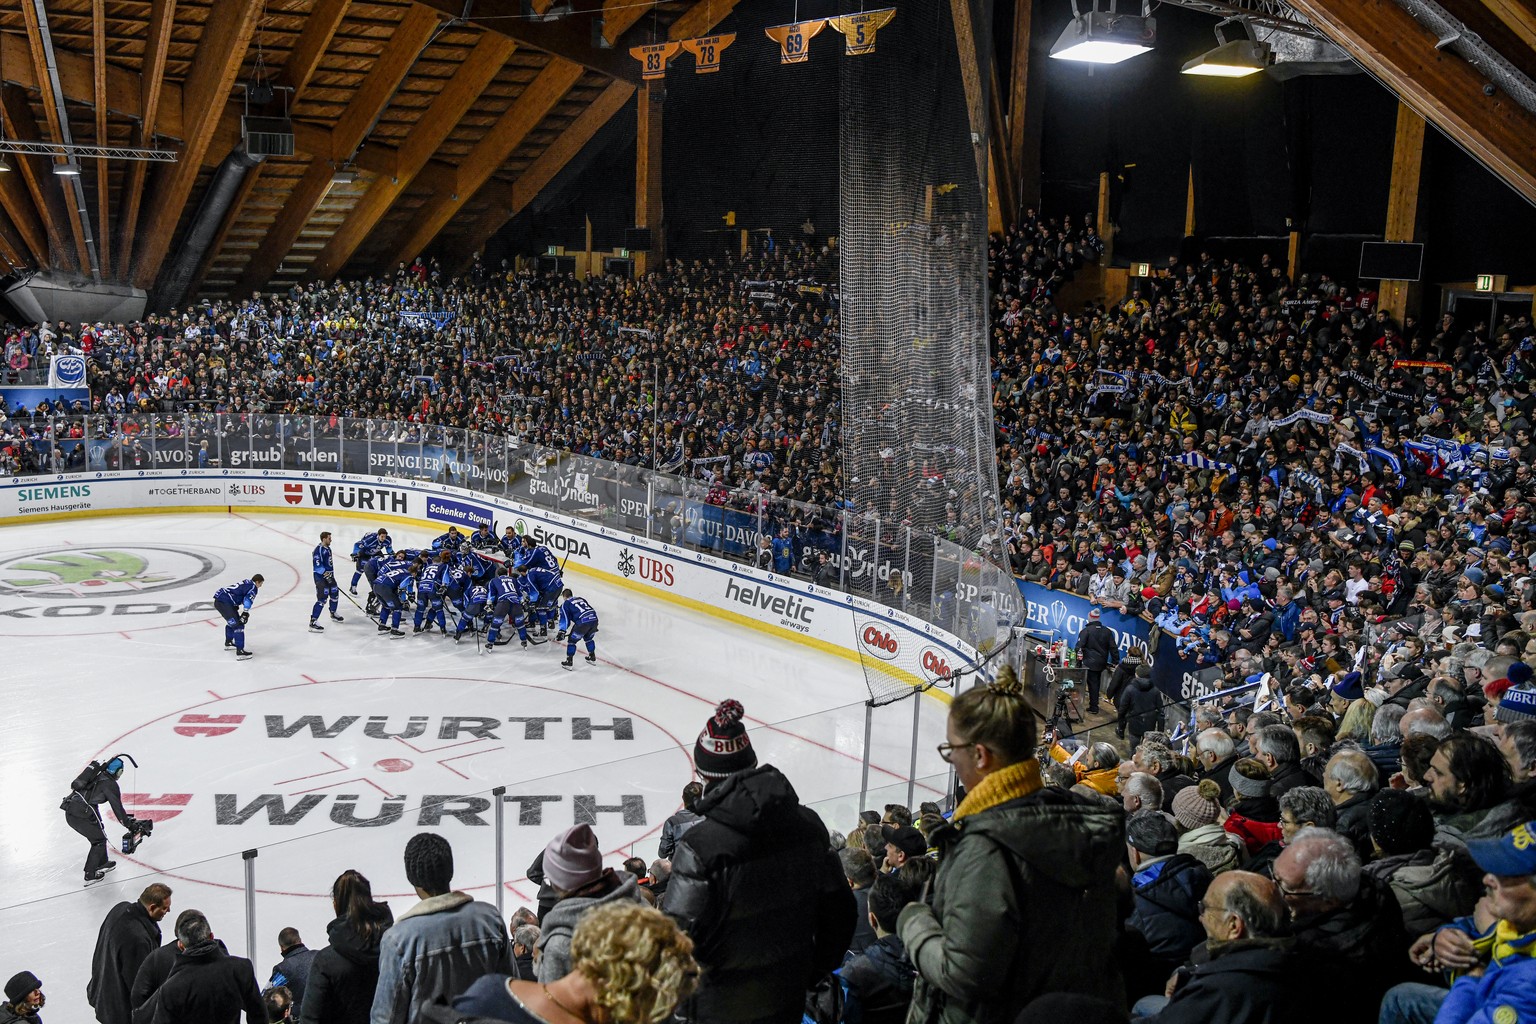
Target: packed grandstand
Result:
[1295, 489]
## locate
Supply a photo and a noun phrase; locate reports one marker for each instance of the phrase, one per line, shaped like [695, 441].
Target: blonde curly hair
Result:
[639, 962]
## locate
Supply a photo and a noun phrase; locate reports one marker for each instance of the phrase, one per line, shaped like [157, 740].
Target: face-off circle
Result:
[306, 765]
[83, 590]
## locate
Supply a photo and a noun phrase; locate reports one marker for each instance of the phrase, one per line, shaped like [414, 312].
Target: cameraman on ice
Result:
[95, 786]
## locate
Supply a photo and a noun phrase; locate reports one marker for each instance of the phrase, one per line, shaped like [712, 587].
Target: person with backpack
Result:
[94, 786]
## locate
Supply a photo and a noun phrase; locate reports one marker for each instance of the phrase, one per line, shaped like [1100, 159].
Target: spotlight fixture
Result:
[343, 176]
[1232, 57]
[68, 169]
[5, 165]
[1105, 36]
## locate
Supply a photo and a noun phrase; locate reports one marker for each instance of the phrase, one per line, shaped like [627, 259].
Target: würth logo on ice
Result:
[156, 806]
[293, 494]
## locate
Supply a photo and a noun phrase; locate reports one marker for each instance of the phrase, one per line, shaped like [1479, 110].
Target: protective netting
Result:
[919, 460]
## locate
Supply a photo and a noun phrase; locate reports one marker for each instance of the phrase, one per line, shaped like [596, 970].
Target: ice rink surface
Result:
[328, 751]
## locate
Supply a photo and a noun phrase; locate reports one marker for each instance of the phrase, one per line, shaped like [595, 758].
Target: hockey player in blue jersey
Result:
[388, 585]
[453, 540]
[504, 598]
[471, 609]
[371, 545]
[325, 584]
[484, 539]
[479, 568]
[578, 621]
[431, 589]
[543, 572]
[233, 603]
[511, 543]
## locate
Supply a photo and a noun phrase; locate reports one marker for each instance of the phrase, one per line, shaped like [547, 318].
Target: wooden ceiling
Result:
[1441, 85]
[451, 126]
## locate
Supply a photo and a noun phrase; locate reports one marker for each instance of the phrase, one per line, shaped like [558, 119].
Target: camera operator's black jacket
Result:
[757, 887]
[104, 790]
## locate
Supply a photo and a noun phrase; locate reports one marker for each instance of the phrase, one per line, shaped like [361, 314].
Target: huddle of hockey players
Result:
[498, 587]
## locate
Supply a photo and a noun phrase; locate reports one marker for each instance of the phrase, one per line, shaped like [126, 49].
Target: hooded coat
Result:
[1009, 877]
[343, 977]
[758, 852]
[560, 922]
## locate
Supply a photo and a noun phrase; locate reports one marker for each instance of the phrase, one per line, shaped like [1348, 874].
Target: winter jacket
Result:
[293, 970]
[672, 830]
[1387, 757]
[1140, 707]
[863, 934]
[343, 977]
[1164, 894]
[757, 852]
[1505, 992]
[208, 986]
[8, 1015]
[437, 949]
[1096, 646]
[127, 936]
[877, 984]
[152, 974]
[1221, 774]
[1363, 947]
[1432, 887]
[561, 921]
[1352, 822]
[1009, 876]
[1213, 846]
[1287, 777]
[1246, 981]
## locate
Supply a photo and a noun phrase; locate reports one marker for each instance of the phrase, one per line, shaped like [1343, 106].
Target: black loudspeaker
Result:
[637, 239]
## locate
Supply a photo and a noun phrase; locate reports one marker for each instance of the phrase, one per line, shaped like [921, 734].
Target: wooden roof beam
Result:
[538, 98]
[77, 76]
[37, 173]
[516, 197]
[700, 19]
[319, 29]
[1439, 86]
[103, 168]
[1518, 15]
[18, 206]
[74, 215]
[368, 102]
[150, 88]
[570, 38]
[432, 129]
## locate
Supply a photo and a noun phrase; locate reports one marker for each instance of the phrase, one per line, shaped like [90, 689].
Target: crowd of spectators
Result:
[1306, 497]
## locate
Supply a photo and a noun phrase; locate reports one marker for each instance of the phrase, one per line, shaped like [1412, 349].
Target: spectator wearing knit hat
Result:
[1197, 811]
[735, 875]
[573, 864]
[439, 947]
[23, 999]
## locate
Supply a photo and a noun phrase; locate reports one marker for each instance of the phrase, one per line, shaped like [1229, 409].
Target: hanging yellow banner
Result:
[653, 59]
[706, 51]
[859, 29]
[795, 40]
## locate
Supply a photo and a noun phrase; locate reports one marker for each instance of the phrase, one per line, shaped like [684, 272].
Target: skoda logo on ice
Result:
[103, 572]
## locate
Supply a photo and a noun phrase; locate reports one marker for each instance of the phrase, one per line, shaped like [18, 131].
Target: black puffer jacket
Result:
[757, 852]
[343, 977]
[1141, 706]
[1248, 981]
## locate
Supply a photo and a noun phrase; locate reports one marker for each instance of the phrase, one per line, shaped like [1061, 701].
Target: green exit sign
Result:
[552, 251]
[1485, 282]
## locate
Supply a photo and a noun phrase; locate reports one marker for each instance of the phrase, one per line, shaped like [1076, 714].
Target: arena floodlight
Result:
[1104, 37]
[1232, 58]
[68, 169]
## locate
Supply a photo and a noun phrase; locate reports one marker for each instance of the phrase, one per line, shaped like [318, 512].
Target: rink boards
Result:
[883, 639]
